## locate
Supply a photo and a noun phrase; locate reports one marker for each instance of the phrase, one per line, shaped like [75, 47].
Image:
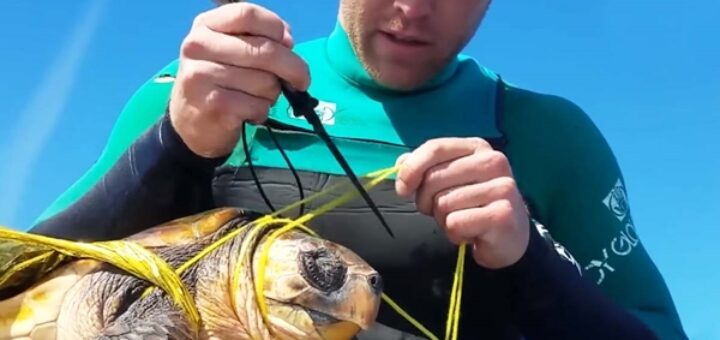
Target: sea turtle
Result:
[313, 288]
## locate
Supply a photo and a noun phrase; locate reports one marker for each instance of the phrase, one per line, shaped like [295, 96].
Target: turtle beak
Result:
[364, 291]
[355, 309]
[342, 330]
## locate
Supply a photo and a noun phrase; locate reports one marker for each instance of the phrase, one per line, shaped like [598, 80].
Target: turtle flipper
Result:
[158, 326]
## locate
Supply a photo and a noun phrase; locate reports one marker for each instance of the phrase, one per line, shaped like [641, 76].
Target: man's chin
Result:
[399, 81]
[404, 75]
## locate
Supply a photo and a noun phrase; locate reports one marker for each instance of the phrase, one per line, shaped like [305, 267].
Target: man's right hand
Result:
[230, 66]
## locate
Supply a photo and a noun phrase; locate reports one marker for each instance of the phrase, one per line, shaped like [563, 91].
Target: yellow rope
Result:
[409, 318]
[136, 260]
[259, 283]
[455, 296]
[126, 255]
[259, 224]
[25, 264]
[376, 178]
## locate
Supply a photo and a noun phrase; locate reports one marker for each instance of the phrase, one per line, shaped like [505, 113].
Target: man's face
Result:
[404, 43]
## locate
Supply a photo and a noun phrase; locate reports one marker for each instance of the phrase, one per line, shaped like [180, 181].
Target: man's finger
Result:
[481, 166]
[399, 161]
[474, 195]
[462, 225]
[238, 106]
[249, 52]
[471, 225]
[430, 154]
[251, 81]
[245, 19]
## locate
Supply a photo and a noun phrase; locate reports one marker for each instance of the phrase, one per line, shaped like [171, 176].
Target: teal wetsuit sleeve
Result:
[143, 109]
[588, 212]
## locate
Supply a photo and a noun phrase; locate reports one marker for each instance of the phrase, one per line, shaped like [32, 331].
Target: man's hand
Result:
[230, 65]
[470, 191]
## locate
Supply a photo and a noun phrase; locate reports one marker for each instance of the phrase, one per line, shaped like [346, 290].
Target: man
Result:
[482, 162]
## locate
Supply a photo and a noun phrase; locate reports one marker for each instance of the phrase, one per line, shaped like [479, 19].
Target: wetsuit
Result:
[562, 164]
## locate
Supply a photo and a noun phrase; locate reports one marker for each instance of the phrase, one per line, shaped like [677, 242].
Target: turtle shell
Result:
[32, 314]
[186, 230]
[34, 279]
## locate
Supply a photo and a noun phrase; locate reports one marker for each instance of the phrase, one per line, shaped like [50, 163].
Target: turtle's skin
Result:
[315, 289]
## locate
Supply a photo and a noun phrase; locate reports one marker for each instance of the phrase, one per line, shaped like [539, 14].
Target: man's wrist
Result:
[173, 144]
[536, 252]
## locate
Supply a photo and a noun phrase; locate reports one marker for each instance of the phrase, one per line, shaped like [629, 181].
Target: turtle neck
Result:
[343, 59]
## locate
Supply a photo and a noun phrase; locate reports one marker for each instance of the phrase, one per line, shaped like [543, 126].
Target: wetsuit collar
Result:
[343, 60]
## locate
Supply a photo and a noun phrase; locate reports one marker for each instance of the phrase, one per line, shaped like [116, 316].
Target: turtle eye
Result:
[323, 269]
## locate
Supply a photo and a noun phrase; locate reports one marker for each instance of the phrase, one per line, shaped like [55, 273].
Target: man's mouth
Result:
[405, 39]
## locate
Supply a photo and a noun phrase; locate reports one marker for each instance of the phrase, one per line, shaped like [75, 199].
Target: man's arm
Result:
[620, 291]
[145, 175]
[221, 81]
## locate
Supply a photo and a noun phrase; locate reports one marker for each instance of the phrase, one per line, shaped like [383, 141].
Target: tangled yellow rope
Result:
[126, 255]
[144, 264]
[375, 178]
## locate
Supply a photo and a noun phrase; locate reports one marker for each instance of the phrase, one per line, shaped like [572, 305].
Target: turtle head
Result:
[315, 286]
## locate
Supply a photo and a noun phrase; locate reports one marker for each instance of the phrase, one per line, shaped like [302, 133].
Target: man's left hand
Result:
[469, 189]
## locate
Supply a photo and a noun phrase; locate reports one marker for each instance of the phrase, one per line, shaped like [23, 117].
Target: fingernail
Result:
[402, 158]
[287, 26]
[287, 39]
[401, 188]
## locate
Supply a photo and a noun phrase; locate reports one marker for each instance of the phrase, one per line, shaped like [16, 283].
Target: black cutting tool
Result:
[303, 104]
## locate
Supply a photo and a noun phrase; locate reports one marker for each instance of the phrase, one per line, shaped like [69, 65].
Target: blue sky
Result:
[647, 72]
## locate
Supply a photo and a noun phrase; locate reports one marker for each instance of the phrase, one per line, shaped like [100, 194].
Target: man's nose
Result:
[413, 9]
